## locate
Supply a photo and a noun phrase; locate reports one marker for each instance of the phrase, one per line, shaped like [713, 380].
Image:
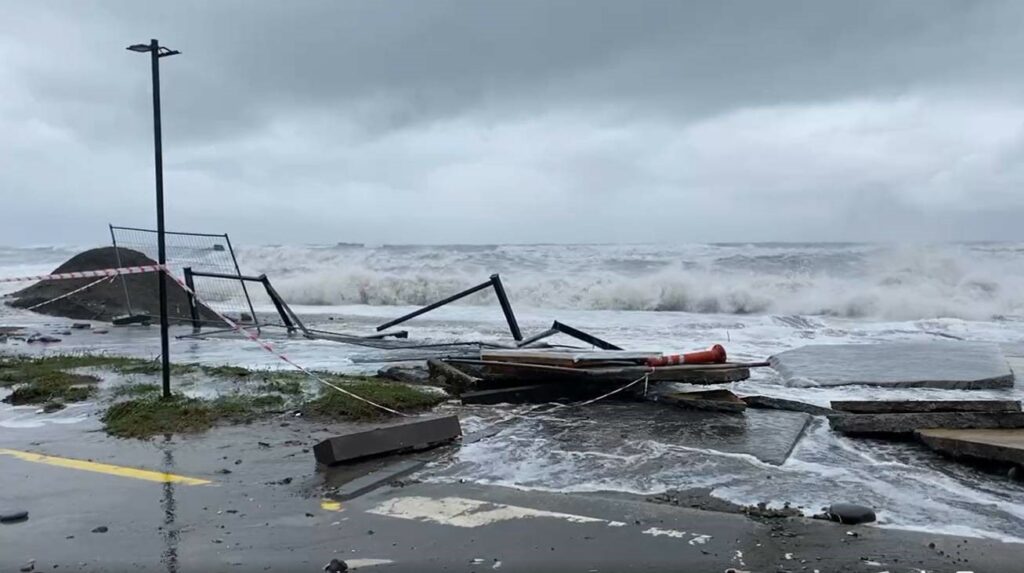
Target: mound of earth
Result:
[106, 300]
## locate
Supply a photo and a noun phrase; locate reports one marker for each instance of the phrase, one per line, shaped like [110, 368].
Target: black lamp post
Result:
[156, 52]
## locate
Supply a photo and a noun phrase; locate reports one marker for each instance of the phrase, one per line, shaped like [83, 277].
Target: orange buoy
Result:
[713, 355]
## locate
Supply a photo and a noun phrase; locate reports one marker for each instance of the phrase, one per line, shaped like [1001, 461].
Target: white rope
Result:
[76, 291]
[266, 346]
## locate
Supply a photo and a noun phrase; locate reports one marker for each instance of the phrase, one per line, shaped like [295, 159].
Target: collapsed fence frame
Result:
[499, 290]
[230, 250]
[290, 320]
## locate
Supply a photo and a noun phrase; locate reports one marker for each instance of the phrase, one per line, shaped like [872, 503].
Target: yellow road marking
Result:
[330, 505]
[121, 471]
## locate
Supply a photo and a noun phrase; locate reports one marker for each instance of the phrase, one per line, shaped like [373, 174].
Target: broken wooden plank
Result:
[566, 358]
[984, 444]
[911, 406]
[892, 424]
[449, 377]
[770, 403]
[711, 400]
[416, 434]
[519, 373]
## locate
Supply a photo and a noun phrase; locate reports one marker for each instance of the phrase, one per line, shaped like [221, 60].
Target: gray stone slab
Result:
[418, 433]
[959, 365]
[769, 403]
[879, 424]
[908, 406]
[985, 444]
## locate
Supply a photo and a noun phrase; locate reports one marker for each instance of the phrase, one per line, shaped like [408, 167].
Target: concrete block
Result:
[914, 406]
[373, 480]
[986, 445]
[880, 424]
[415, 434]
[769, 403]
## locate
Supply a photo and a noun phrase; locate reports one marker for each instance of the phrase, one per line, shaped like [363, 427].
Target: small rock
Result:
[10, 515]
[81, 326]
[100, 331]
[850, 513]
[223, 471]
[51, 407]
[263, 444]
[42, 338]
[369, 532]
[65, 333]
[238, 462]
[100, 529]
[336, 566]
[29, 567]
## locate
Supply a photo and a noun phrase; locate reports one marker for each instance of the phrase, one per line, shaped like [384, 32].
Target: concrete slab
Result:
[417, 433]
[986, 445]
[375, 479]
[910, 406]
[710, 400]
[881, 424]
[770, 403]
[958, 365]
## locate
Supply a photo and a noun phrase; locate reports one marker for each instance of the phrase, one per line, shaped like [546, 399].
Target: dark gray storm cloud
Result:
[466, 121]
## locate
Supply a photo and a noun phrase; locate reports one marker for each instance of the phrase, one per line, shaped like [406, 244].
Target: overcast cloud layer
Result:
[438, 122]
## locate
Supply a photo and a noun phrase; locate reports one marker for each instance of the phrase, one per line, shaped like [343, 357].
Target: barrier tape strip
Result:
[88, 274]
[267, 346]
[76, 291]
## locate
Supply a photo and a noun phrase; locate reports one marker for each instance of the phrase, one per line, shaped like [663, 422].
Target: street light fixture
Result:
[156, 52]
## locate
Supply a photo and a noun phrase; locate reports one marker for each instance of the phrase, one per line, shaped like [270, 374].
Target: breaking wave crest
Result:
[977, 283]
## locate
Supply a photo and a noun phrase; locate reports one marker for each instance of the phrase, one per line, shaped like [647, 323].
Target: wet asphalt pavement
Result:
[267, 508]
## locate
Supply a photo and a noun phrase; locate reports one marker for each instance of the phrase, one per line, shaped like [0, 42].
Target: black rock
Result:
[42, 338]
[336, 566]
[100, 529]
[51, 407]
[10, 515]
[850, 513]
[81, 326]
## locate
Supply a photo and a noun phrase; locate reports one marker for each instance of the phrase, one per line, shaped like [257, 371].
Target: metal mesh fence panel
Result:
[203, 252]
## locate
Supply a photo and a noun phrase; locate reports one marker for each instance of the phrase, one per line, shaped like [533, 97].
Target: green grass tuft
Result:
[334, 404]
[139, 389]
[152, 415]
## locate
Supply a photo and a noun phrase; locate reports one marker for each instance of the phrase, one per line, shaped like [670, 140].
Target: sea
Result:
[756, 299]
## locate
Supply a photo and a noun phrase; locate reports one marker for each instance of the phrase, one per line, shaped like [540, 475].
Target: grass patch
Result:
[333, 404]
[41, 380]
[288, 386]
[139, 389]
[227, 371]
[151, 415]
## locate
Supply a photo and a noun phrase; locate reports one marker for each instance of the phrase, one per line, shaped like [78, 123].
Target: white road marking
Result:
[658, 532]
[463, 512]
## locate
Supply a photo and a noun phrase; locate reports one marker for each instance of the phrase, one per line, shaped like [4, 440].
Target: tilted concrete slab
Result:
[418, 433]
[958, 365]
[986, 444]
[879, 424]
[914, 406]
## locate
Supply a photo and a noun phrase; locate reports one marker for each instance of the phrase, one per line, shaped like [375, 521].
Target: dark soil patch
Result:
[106, 300]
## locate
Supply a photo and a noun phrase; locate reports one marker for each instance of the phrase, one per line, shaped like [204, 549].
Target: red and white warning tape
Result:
[87, 274]
[267, 346]
[72, 293]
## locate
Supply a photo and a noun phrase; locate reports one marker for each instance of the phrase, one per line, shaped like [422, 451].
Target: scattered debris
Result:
[100, 529]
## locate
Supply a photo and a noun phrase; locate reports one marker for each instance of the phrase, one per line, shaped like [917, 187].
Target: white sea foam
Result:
[856, 281]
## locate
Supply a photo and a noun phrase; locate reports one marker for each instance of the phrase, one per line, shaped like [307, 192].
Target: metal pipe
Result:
[165, 344]
[435, 305]
[537, 337]
[193, 307]
[245, 290]
[580, 335]
[506, 307]
[277, 303]
[258, 279]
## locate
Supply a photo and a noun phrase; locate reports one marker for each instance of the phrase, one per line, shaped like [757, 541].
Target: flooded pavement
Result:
[223, 501]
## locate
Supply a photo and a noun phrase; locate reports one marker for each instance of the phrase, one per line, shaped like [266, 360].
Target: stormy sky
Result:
[428, 121]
